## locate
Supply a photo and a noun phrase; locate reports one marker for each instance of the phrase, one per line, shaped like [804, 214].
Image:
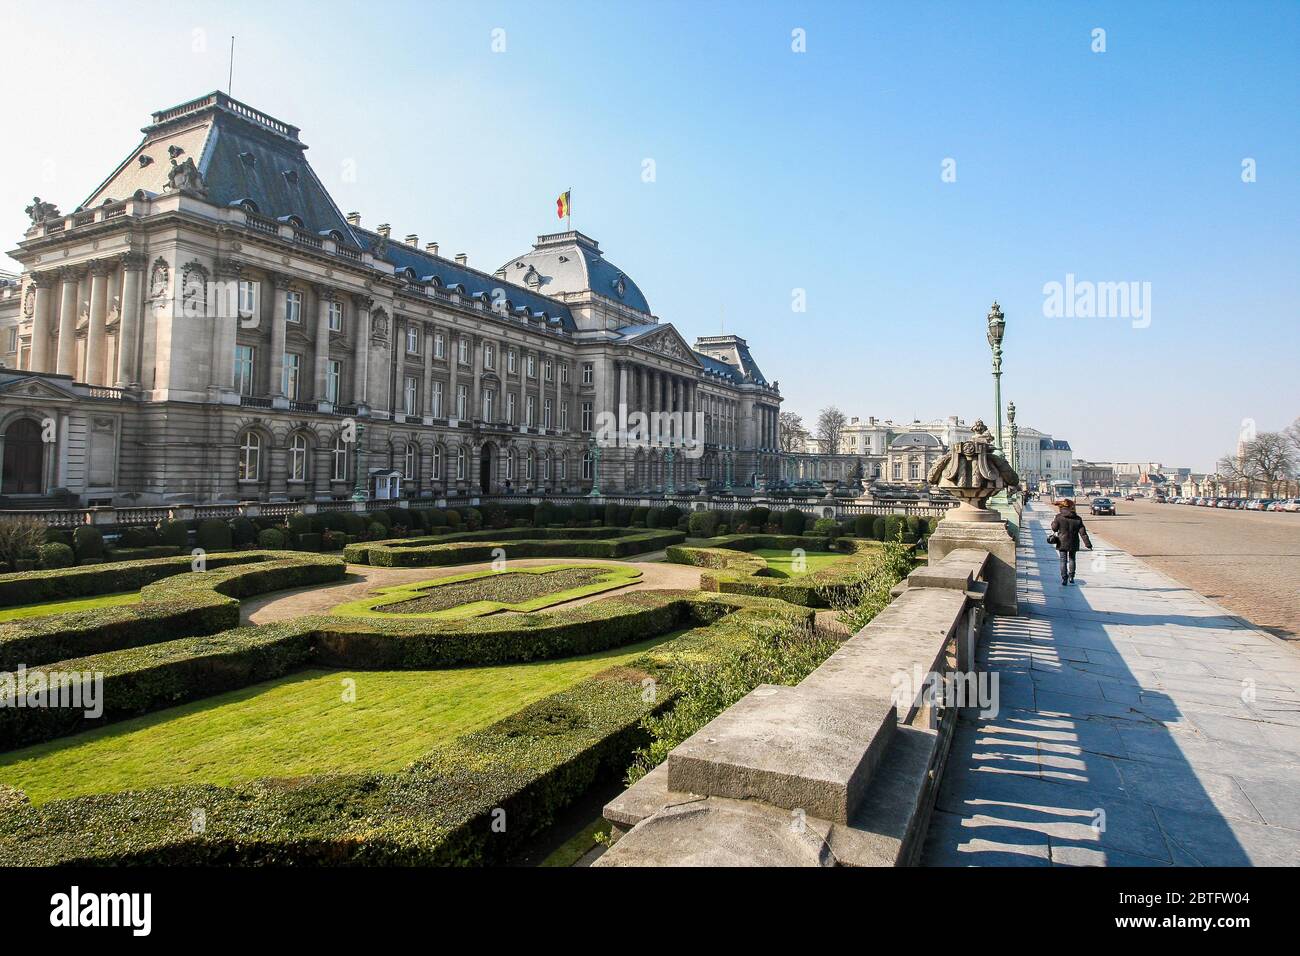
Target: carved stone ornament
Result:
[379, 326]
[665, 343]
[160, 278]
[40, 211]
[973, 472]
[29, 302]
[184, 178]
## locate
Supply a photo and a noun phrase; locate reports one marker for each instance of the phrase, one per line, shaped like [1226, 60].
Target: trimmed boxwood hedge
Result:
[732, 571]
[175, 606]
[38, 587]
[524, 543]
[439, 810]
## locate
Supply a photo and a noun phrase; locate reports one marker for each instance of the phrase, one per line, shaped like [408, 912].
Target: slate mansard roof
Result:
[564, 262]
[1053, 444]
[243, 155]
[916, 440]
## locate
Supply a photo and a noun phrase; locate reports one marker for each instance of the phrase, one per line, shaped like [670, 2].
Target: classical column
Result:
[278, 330]
[427, 400]
[361, 349]
[42, 320]
[622, 401]
[453, 369]
[225, 332]
[67, 354]
[473, 408]
[324, 297]
[128, 326]
[96, 332]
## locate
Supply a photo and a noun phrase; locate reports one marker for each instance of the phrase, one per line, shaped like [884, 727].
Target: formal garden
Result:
[469, 675]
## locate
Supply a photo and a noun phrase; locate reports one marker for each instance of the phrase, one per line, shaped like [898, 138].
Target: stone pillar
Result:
[453, 387]
[278, 331]
[128, 326]
[427, 400]
[361, 349]
[42, 322]
[473, 407]
[66, 363]
[96, 332]
[224, 335]
[324, 296]
[622, 400]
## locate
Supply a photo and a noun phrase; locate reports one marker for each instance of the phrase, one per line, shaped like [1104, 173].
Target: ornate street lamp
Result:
[997, 326]
[1015, 445]
[671, 456]
[595, 470]
[359, 490]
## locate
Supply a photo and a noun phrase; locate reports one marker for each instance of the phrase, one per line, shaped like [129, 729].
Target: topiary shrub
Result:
[652, 518]
[473, 519]
[581, 512]
[670, 516]
[378, 530]
[311, 541]
[931, 525]
[88, 542]
[175, 533]
[825, 527]
[55, 555]
[299, 523]
[381, 517]
[702, 524]
[611, 515]
[756, 517]
[137, 536]
[242, 531]
[58, 536]
[354, 523]
[624, 519]
[270, 539]
[563, 515]
[436, 519]
[793, 521]
[213, 534]
[638, 516]
[862, 525]
[543, 514]
[878, 527]
[453, 518]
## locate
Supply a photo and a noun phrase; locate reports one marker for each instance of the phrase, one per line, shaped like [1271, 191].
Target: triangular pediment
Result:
[35, 389]
[666, 340]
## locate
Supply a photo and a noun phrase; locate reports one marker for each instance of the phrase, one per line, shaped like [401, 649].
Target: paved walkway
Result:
[1139, 724]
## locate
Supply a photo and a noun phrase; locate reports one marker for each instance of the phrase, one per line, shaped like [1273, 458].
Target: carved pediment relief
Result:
[668, 342]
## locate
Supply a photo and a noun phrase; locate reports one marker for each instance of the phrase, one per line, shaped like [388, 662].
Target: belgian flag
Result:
[562, 205]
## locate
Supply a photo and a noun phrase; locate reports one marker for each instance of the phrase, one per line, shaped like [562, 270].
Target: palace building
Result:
[209, 327]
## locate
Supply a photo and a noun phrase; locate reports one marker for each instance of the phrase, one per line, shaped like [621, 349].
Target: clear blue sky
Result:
[778, 171]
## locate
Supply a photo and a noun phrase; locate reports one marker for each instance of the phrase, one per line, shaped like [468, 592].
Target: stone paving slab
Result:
[1139, 724]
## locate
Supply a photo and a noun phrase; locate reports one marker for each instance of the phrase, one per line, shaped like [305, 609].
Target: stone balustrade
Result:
[841, 769]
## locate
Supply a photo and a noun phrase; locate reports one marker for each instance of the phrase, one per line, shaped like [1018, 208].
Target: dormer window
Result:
[291, 176]
[248, 159]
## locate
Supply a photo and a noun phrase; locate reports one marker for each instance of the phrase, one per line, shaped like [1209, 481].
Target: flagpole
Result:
[570, 217]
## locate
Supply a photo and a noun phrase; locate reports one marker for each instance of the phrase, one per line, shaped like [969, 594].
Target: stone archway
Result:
[24, 459]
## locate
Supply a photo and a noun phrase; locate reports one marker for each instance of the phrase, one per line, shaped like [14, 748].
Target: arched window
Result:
[510, 464]
[339, 460]
[460, 463]
[437, 463]
[410, 463]
[250, 456]
[298, 458]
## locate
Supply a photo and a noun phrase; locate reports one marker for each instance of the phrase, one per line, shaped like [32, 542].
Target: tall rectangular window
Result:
[411, 395]
[489, 355]
[437, 399]
[531, 365]
[564, 416]
[462, 346]
[512, 360]
[293, 306]
[243, 382]
[439, 346]
[292, 366]
[462, 400]
[564, 373]
[333, 381]
[548, 369]
[586, 416]
[489, 405]
[546, 413]
[412, 340]
[335, 312]
[588, 373]
[530, 410]
[247, 298]
[510, 408]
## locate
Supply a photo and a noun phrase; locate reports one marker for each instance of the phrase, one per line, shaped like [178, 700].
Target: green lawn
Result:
[296, 725]
[63, 607]
[781, 563]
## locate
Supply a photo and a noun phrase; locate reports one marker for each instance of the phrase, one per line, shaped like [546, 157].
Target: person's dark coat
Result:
[1069, 529]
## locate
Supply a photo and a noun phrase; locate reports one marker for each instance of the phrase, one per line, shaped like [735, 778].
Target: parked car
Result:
[1129, 498]
[1292, 504]
[1103, 506]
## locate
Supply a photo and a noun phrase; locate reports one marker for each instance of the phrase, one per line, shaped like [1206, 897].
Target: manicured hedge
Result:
[438, 811]
[37, 587]
[732, 571]
[182, 604]
[559, 543]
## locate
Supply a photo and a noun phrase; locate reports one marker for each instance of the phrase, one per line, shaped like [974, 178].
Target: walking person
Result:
[1067, 530]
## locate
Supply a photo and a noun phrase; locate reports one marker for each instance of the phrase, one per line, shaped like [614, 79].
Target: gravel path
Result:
[1248, 561]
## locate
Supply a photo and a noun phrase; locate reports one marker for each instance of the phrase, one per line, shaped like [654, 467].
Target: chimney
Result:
[354, 219]
[384, 229]
[462, 258]
[431, 247]
[413, 240]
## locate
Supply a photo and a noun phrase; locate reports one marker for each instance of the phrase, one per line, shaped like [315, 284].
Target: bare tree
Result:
[792, 432]
[1292, 435]
[19, 539]
[1271, 457]
[1234, 471]
[830, 429]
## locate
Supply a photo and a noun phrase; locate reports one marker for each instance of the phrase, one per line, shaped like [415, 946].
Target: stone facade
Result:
[211, 317]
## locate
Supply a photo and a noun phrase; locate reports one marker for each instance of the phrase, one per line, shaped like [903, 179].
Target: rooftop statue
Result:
[184, 177]
[40, 211]
[973, 472]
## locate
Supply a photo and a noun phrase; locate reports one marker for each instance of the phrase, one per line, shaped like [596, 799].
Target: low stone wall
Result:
[840, 770]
